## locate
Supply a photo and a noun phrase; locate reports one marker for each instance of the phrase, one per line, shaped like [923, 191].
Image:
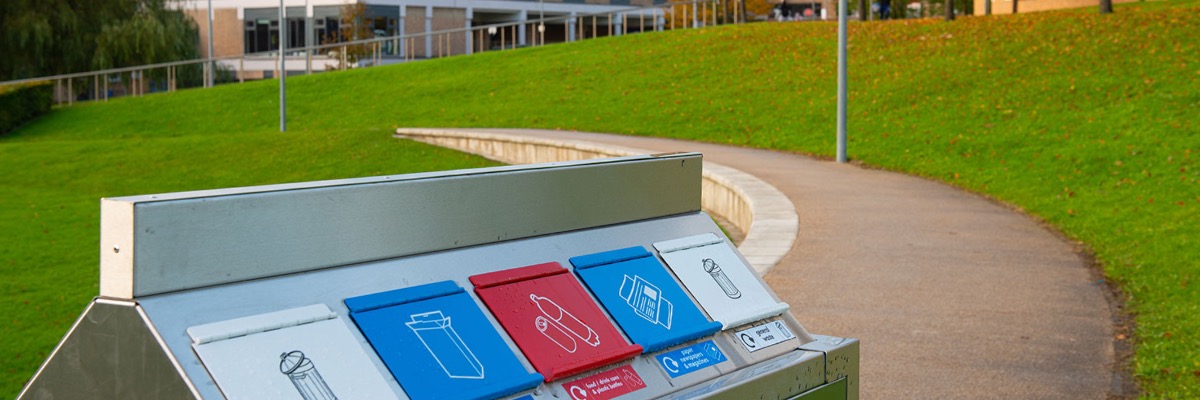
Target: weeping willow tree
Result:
[51, 37]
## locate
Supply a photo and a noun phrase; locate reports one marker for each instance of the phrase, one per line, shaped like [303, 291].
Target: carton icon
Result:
[646, 300]
[444, 344]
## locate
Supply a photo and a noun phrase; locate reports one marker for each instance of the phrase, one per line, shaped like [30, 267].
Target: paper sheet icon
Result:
[646, 300]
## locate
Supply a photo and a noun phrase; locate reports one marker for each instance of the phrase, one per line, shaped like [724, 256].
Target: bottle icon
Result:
[304, 376]
[723, 281]
[555, 334]
[560, 318]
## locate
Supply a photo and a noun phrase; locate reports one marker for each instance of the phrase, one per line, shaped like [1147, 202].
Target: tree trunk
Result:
[987, 7]
[1106, 7]
[950, 10]
[863, 10]
[1014, 6]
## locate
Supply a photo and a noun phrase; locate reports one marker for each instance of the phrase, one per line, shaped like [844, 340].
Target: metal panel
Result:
[841, 360]
[830, 391]
[197, 239]
[110, 353]
[780, 378]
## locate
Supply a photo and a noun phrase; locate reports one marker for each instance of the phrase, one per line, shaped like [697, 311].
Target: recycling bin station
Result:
[594, 279]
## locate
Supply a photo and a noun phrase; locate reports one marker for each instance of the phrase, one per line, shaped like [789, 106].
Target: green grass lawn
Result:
[1089, 122]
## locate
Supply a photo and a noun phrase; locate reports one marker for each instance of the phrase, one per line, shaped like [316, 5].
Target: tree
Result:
[355, 25]
[1106, 7]
[51, 37]
[949, 10]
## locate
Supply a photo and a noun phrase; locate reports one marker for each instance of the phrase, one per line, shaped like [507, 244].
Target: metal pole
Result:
[694, 20]
[841, 105]
[209, 81]
[283, 69]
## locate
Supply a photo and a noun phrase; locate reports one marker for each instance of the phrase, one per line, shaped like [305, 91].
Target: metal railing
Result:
[166, 77]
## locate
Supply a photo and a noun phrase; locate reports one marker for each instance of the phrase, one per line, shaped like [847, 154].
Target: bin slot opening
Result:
[514, 275]
[401, 296]
[229, 329]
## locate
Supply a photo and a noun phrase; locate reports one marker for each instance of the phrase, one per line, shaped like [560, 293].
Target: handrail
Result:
[655, 12]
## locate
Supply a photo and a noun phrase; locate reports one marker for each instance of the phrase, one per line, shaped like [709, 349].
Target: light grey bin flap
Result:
[723, 284]
[304, 353]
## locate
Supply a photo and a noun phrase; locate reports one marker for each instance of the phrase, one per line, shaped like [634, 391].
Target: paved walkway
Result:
[953, 296]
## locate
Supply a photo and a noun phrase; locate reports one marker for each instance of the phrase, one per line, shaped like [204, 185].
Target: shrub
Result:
[21, 103]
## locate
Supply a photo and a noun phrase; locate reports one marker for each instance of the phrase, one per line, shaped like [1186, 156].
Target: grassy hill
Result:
[1089, 122]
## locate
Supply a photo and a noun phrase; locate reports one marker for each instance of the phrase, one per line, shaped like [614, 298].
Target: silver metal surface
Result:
[841, 360]
[191, 240]
[835, 390]
[110, 353]
[780, 378]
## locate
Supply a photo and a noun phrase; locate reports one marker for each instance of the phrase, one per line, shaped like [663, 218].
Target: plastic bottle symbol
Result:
[560, 326]
[723, 281]
[304, 376]
[444, 344]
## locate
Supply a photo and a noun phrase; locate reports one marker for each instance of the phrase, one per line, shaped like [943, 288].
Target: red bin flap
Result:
[552, 319]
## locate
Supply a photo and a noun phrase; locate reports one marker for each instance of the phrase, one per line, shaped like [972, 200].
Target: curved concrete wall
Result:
[758, 209]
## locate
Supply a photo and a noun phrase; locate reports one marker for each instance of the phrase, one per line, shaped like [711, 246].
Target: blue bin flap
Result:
[643, 298]
[438, 344]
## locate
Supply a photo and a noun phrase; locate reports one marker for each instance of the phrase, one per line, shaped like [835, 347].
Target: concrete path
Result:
[952, 295]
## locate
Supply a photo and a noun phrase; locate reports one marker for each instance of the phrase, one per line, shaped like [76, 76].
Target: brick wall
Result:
[227, 31]
[1023, 6]
[414, 22]
[445, 19]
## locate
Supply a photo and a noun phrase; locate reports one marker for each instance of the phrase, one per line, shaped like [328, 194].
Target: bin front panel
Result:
[305, 353]
[438, 344]
[723, 284]
[643, 298]
[552, 319]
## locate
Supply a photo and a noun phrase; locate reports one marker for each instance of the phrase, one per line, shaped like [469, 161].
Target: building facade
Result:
[251, 28]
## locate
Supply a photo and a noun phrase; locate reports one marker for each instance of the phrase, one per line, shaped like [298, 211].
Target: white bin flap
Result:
[304, 353]
[723, 284]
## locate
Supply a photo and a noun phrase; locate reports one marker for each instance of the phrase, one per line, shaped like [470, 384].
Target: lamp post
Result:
[212, 67]
[841, 105]
[283, 69]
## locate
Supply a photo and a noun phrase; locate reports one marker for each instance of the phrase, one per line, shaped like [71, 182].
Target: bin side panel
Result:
[110, 353]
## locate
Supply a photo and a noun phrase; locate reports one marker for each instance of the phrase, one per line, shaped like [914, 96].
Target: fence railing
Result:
[369, 52]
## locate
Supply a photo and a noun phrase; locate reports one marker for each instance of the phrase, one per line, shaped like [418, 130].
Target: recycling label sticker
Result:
[605, 385]
[763, 336]
[690, 359]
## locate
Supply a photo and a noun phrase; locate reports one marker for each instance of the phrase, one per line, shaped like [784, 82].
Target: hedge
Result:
[21, 103]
